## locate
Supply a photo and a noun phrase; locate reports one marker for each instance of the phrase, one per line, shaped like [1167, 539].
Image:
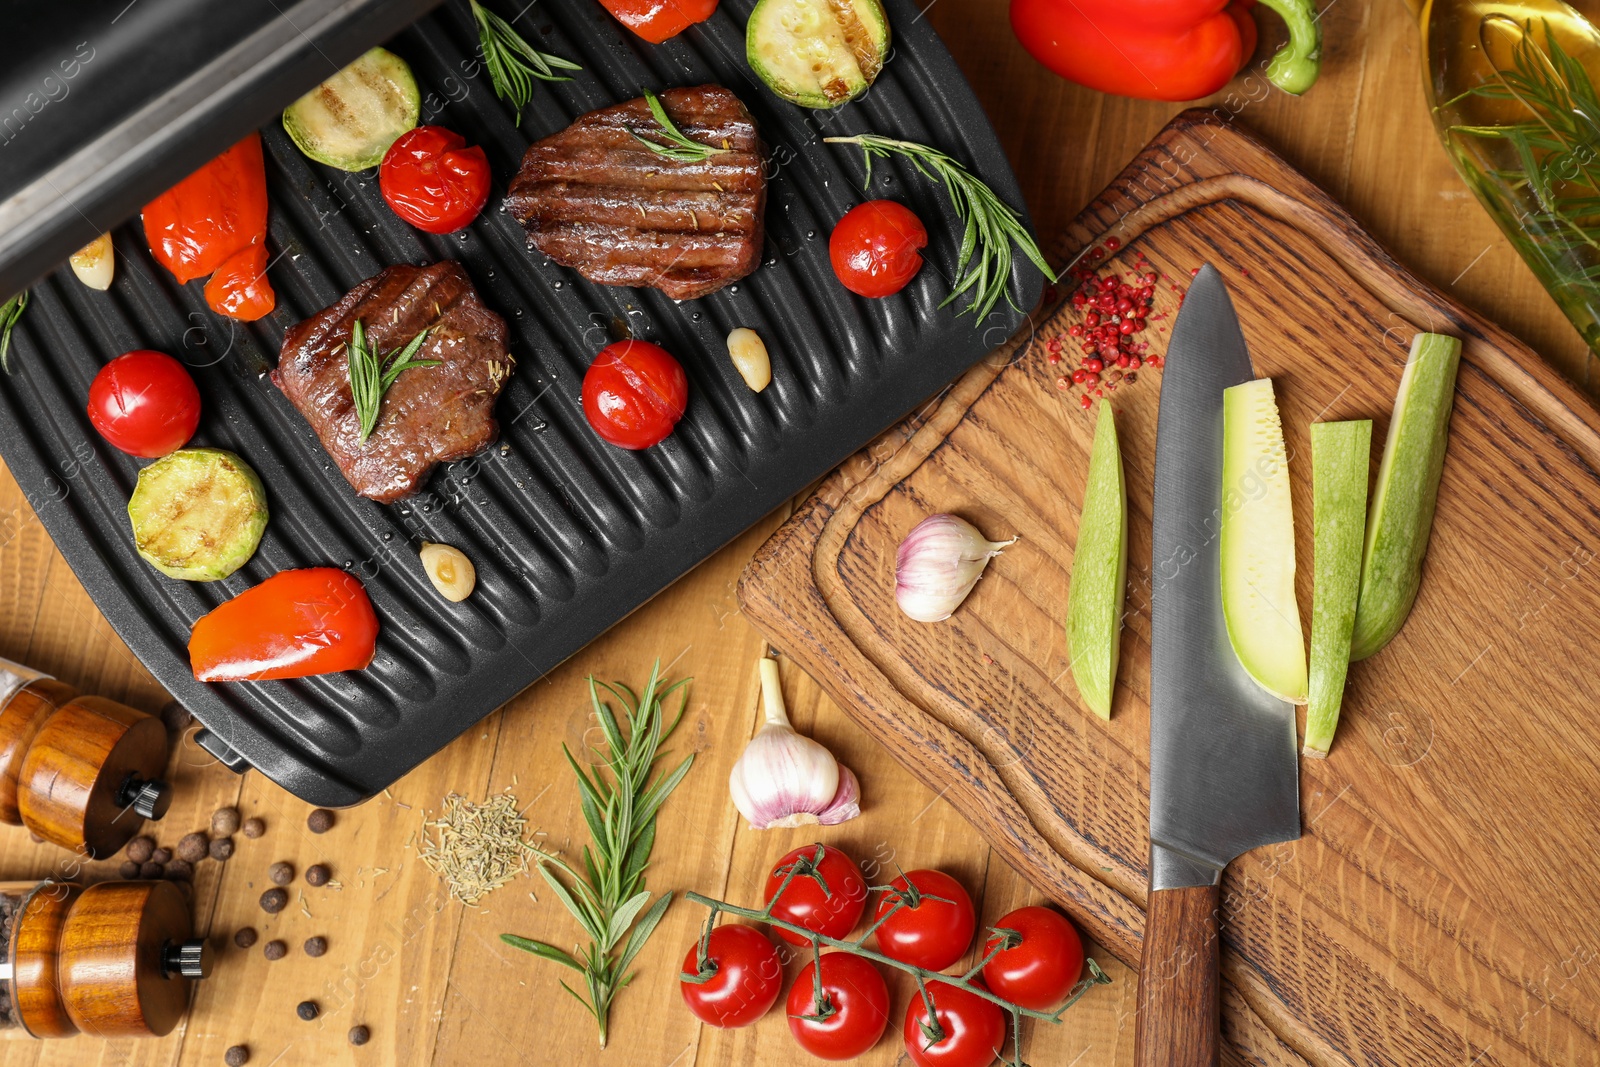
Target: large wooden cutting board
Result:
[1443, 907]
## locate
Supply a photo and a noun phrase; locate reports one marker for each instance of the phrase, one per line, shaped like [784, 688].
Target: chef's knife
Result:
[1223, 771]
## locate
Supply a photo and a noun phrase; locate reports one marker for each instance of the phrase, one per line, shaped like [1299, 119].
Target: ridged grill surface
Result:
[568, 533]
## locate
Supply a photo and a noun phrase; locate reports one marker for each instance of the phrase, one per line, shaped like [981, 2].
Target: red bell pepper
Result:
[657, 20]
[1164, 49]
[215, 222]
[296, 623]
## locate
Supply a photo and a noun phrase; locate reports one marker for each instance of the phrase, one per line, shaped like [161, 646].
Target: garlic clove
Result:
[937, 565]
[95, 263]
[450, 571]
[750, 359]
[785, 779]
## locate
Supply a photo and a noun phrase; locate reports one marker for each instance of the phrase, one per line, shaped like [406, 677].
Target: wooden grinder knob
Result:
[127, 959]
[89, 777]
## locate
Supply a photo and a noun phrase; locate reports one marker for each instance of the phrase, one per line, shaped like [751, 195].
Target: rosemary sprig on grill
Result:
[514, 63]
[620, 799]
[10, 312]
[371, 374]
[991, 226]
[680, 145]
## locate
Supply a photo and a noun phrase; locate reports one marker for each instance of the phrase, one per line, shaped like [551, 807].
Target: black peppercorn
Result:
[179, 871]
[316, 946]
[273, 900]
[317, 874]
[237, 1056]
[192, 847]
[360, 1035]
[150, 870]
[161, 855]
[221, 848]
[129, 869]
[275, 950]
[319, 821]
[245, 936]
[307, 1010]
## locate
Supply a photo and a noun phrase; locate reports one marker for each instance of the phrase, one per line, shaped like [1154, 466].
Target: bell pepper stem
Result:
[1294, 68]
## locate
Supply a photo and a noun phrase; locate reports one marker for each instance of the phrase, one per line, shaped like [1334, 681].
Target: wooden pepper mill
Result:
[110, 960]
[81, 771]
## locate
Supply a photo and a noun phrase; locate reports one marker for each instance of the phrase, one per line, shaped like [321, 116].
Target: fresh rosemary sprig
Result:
[1557, 151]
[372, 374]
[619, 801]
[514, 63]
[10, 312]
[681, 146]
[991, 226]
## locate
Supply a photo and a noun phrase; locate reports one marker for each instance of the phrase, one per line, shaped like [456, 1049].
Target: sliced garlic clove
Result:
[450, 571]
[95, 263]
[750, 359]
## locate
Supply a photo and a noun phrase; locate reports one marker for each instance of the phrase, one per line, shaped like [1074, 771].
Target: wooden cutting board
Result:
[1443, 905]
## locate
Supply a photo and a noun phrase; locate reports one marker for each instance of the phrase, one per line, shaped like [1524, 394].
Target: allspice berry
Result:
[360, 1035]
[129, 870]
[192, 847]
[176, 718]
[254, 828]
[139, 849]
[245, 936]
[150, 870]
[317, 874]
[273, 901]
[319, 821]
[237, 1056]
[307, 1010]
[316, 946]
[225, 822]
[221, 848]
[275, 950]
[281, 873]
[179, 871]
[161, 855]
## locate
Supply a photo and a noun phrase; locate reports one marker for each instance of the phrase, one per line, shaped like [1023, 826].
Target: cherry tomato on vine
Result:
[970, 1031]
[933, 925]
[431, 179]
[745, 977]
[1040, 970]
[634, 393]
[826, 894]
[144, 403]
[854, 1011]
[875, 248]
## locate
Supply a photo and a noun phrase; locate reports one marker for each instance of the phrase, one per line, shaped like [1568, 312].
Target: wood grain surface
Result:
[1419, 919]
[430, 977]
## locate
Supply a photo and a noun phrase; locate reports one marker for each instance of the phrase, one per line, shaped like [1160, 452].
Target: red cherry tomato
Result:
[297, 623]
[854, 1011]
[832, 911]
[144, 403]
[1039, 972]
[433, 180]
[970, 1032]
[934, 923]
[746, 978]
[875, 248]
[634, 393]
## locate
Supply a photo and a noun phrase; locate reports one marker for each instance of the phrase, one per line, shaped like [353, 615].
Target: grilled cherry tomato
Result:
[296, 623]
[431, 179]
[934, 923]
[634, 393]
[970, 1031]
[215, 221]
[853, 1013]
[746, 977]
[656, 20]
[144, 403]
[827, 893]
[875, 248]
[1041, 970]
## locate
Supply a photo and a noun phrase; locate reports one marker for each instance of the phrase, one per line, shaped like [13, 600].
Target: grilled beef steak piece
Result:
[595, 199]
[430, 414]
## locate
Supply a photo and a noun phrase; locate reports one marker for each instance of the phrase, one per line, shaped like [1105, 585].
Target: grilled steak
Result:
[593, 198]
[430, 414]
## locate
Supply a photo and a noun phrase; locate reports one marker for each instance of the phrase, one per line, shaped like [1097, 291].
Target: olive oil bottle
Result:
[1512, 86]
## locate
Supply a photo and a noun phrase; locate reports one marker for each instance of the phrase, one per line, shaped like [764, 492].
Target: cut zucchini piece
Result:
[817, 53]
[350, 120]
[198, 514]
[1341, 458]
[1407, 489]
[1099, 571]
[1258, 601]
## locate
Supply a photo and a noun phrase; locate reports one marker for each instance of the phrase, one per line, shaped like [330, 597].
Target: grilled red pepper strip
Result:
[657, 20]
[215, 220]
[1164, 49]
[296, 623]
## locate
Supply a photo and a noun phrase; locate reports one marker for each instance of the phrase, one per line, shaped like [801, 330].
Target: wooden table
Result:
[428, 976]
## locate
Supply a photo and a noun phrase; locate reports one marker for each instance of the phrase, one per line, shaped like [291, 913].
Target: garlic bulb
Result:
[938, 564]
[786, 779]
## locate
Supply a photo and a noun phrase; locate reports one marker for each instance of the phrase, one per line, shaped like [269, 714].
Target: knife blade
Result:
[1224, 774]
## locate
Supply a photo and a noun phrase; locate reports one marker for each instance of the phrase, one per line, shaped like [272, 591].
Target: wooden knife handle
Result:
[1179, 1019]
